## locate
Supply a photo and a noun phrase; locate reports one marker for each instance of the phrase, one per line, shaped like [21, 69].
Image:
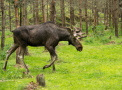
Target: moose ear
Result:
[69, 30]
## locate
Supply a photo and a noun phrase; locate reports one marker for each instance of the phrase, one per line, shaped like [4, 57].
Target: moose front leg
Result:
[53, 54]
[56, 59]
[52, 63]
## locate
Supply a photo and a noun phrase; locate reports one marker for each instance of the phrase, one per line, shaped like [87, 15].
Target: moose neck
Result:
[63, 35]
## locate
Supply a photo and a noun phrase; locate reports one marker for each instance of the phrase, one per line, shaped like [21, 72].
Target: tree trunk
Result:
[52, 11]
[62, 12]
[37, 14]
[10, 15]
[34, 15]
[97, 18]
[113, 15]
[95, 15]
[80, 13]
[25, 19]
[86, 17]
[121, 22]
[72, 13]
[24, 12]
[47, 11]
[116, 17]
[43, 10]
[104, 12]
[17, 25]
[120, 5]
[16, 13]
[109, 12]
[106, 23]
[21, 18]
[3, 25]
[92, 6]
[91, 16]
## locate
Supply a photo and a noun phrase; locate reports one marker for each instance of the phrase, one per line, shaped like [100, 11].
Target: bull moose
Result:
[47, 34]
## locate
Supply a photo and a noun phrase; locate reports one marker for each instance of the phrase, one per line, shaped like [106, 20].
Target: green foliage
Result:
[104, 40]
[3, 52]
[7, 45]
[89, 40]
[2, 55]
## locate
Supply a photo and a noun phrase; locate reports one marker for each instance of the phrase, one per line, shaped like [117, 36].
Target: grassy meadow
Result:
[97, 67]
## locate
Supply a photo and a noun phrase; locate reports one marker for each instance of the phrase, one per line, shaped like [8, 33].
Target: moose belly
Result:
[36, 43]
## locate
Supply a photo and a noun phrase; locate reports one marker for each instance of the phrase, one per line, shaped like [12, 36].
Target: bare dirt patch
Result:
[111, 42]
[31, 86]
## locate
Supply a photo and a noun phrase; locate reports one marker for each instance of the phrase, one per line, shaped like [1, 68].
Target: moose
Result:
[47, 34]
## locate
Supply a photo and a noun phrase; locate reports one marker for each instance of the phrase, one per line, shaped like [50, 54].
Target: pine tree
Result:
[3, 25]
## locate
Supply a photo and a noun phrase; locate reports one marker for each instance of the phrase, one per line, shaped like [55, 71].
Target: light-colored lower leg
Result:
[22, 60]
[21, 57]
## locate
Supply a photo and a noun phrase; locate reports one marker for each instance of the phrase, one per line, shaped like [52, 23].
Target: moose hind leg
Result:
[21, 57]
[9, 52]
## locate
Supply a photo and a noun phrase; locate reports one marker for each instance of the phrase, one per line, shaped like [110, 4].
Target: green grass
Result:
[97, 67]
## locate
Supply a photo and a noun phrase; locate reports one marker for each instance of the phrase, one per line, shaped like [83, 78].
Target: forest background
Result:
[98, 66]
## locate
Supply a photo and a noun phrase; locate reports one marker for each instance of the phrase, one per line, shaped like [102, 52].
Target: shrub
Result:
[89, 40]
[104, 40]
[3, 52]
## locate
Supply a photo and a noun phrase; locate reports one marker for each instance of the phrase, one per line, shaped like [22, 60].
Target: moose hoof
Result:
[46, 66]
[43, 67]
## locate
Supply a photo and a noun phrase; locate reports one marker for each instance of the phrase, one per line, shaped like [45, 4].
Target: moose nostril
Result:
[80, 48]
